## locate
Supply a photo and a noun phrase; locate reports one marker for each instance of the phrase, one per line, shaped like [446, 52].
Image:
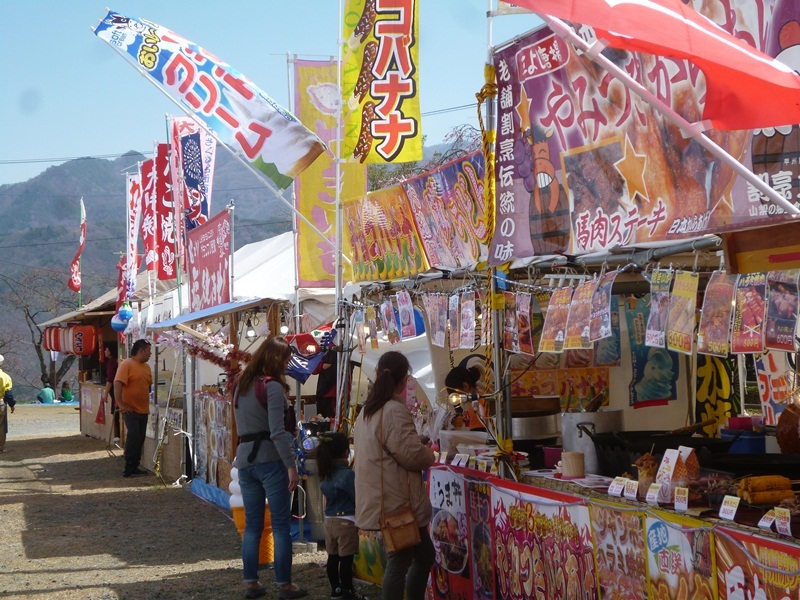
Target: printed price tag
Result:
[767, 520]
[730, 505]
[443, 457]
[617, 486]
[681, 499]
[460, 460]
[783, 521]
[471, 462]
[652, 493]
[482, 464]
[631, 489]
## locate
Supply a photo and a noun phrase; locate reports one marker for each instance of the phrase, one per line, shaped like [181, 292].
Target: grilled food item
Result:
[766, 497]
[765, 489]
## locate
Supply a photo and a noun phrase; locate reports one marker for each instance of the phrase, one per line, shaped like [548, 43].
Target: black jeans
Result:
[136, 425]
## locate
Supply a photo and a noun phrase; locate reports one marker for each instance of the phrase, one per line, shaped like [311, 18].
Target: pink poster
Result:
[208, 262]
[748, 316]
[781, 310]
[555, 321]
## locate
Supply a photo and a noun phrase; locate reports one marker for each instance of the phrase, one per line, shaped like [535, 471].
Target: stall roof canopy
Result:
[209, 313]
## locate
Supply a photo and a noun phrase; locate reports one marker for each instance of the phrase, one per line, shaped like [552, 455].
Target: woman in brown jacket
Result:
[389, 460]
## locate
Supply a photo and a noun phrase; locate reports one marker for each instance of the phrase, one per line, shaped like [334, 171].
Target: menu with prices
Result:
[617, 486]
[727, 511]
[767, 520]
[681, 499]
[783, 521]
[631, 489]
[652, 493]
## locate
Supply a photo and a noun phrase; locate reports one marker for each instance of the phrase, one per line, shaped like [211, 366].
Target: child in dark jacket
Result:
[341, 535]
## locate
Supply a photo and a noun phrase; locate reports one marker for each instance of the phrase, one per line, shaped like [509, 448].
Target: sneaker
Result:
[337, 593]
[137, 471]
[353, 595]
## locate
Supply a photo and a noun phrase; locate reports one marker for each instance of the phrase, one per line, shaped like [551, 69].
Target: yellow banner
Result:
[315, 188]
[380, 81]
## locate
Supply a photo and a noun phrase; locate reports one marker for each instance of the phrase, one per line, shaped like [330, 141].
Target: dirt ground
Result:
[71, 527]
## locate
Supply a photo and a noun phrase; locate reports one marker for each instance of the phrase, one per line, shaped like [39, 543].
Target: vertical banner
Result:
[774, 384]
[208, 253]
[133, 196]
[198, 154]
[554, 540]
[405, 309]
[555, 321]
[380, 81]
[600, 324]
[147, 171]
[781, 310]
[682, 307]
[241, 115]
[619, 551]
[660, 282]
[165, 215]
[449, 533]
[479, 507]
[715, 318]
[717, 392]
[316, 102]
[680, 557]
[74, 282]
[748, 315]
[654, 370]
[453, 322]
[579, 318]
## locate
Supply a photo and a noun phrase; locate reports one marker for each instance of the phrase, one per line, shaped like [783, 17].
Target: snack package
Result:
[671, 474]
[689, 457]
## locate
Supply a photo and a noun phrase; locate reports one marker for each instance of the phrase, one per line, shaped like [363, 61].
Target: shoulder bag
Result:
[399, 527]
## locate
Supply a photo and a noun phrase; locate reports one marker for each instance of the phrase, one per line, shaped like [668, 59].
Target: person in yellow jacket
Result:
[6, 402]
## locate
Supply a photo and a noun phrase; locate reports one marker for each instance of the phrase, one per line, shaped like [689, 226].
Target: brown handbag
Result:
[399, 527]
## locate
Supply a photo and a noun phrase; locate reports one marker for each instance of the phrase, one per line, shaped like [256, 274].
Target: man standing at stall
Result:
[6, 402]
[132, 394]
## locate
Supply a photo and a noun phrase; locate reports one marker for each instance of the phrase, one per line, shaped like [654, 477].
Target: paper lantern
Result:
[84, 340]
[117, 324]
[51, 339]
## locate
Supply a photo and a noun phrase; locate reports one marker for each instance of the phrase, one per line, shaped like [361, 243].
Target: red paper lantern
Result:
[83, 340]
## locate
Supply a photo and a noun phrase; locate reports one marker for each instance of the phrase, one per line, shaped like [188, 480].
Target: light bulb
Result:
[310, 349]
[250, 333]
[284, 329]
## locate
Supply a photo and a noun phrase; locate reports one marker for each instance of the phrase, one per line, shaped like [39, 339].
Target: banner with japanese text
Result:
[74, 282]
[776, 382]
[555, 321]
[781, 319]
[600, 325]
[239, 113]
[380, 81]
[748, 316]
[208, 254]
[316, 102]
[717, 394]
[584, 165]
[147, 226]
[164, 215]
[682, 307]
[680, 557]
[654, 370]
[578, 320]
[450, 533]
[133, 204]
[619, 551]
[382, 241]
[660, 283]
[607, 352]
[575, 386]
[715, 318]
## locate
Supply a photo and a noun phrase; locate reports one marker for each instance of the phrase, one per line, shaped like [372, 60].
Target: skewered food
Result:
[765, 489]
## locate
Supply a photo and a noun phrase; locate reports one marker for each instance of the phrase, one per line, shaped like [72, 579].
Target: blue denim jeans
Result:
[407, 570]
[258, 482]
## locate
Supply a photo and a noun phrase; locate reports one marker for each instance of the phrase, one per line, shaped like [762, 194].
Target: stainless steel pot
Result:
[573, 438]
[535, 428]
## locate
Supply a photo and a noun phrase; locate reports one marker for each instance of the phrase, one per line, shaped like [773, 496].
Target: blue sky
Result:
[67, 94]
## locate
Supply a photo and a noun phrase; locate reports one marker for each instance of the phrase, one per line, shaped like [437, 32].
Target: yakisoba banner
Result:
[584, 165]
[380, 86]
[435, 220]
[316, 96]
[238, 111]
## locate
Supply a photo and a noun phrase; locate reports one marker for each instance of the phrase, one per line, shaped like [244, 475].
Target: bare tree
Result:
[42, 295]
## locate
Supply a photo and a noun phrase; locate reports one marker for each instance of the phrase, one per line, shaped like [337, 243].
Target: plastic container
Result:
[736, 423]
[552, 454]
[749, 442]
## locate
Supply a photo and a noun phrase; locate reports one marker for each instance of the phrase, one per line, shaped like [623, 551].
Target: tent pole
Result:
[692, 130]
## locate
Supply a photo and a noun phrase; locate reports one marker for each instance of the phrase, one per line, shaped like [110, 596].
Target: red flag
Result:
[75, 268]
[208, 255]
[165, 216]
[148, 222]
[746, 89]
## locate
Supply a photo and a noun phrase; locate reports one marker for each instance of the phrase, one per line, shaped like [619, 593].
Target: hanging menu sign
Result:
[655, 335]
[681, 318]
[524, 323]
[600, 325]
[577, 337]
[555, 321]
[748, 315]
[781, 317]
[715, 319]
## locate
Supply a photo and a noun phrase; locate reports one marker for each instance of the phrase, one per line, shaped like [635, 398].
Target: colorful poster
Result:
[584, 164]
[748, 315]
[479, 507]
[655, 370]
[165, 216]
[619, 550]
[452, 321]
[239, 113]
[440, 317]
[381, 237]
[542, 550]
[405, 308]
[380, 81]
[316, 102]
[781, 319]
[450, 534]
[682, 308]
[607, 352]
[680, 557]
[753, 567]
[467, 319]
[574, 386]
[524, 323]
[389, 322]
[555, 321]
[717, 392]
[715, 318]
[450, 213]
[660, 283]
[208, 255]
[600, 324]
[579, 317]
[510, 329]
[775, 384]
[372, 324]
